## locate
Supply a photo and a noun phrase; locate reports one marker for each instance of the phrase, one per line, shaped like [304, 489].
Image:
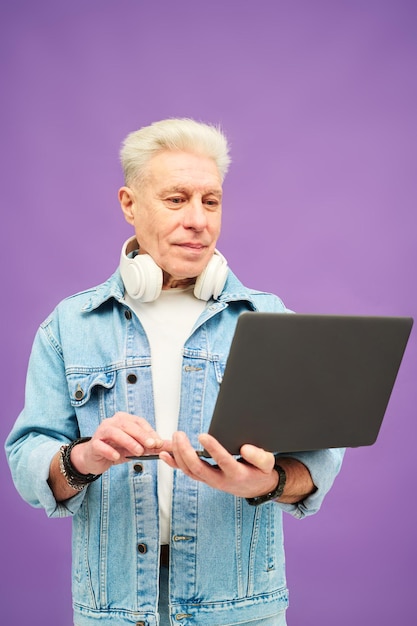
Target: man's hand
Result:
[255, 477]
[115, 439]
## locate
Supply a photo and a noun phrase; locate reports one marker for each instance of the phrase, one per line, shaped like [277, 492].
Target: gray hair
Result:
[172, 134]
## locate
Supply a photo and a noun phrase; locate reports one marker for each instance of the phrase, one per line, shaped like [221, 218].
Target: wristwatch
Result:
[272, 495]
[75, 479]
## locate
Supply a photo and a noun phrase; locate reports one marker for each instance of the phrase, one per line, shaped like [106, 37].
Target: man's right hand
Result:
[115, 439]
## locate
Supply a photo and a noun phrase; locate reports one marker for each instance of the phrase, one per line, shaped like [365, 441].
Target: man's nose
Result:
[195, 215]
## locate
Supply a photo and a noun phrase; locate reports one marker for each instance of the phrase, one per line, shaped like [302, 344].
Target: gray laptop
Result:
[306, 382]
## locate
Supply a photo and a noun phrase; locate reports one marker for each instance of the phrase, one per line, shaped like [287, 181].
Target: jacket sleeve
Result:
[324, 465]
[46, 422]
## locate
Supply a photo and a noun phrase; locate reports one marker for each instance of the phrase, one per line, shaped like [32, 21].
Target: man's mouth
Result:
[191, 246]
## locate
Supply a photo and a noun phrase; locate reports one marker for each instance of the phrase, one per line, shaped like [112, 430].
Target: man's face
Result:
[176, 213]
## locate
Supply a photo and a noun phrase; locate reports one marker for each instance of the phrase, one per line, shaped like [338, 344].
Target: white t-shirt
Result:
[167, 321]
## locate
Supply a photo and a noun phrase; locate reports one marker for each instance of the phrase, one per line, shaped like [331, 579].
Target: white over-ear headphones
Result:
[142, 277]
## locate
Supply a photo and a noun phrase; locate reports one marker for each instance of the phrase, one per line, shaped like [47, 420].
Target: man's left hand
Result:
[247, 480]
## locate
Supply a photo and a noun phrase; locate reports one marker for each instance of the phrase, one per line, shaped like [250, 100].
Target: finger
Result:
[137, 427]
[105, 450]
[223, 458]
[130, 433]
[168, 458]
[258, 457]
[186, 458]
[153, 440]
[118, 441]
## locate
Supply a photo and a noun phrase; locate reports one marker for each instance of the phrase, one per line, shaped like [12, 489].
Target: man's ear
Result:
[127, 202]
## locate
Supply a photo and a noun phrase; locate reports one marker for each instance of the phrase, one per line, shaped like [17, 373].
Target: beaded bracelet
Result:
[75, 479]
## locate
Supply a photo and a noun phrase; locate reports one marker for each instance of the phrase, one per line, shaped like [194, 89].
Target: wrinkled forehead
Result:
[179, 170]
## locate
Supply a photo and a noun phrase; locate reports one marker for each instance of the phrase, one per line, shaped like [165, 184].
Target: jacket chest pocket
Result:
[92, 395]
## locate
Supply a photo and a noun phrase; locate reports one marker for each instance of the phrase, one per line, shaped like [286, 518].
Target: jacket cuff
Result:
[323, 465]
[41, 494]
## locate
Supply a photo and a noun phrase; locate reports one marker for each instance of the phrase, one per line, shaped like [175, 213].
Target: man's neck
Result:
[169, 282]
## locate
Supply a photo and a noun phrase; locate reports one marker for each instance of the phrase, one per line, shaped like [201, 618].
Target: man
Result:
[133, 368]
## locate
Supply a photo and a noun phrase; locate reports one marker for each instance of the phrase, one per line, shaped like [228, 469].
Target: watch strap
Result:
[275, 493]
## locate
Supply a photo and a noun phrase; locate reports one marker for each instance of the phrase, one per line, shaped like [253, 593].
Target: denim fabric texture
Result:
[89, 360]
[278, 619]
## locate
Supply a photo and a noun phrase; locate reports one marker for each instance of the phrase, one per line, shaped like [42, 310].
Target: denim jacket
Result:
[90, 359]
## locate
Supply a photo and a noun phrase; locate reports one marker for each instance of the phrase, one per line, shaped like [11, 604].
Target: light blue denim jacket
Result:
[227, 558]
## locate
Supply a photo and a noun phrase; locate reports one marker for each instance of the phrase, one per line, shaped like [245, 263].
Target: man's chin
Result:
[188, 269]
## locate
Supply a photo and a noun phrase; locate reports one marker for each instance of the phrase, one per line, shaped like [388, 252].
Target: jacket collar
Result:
[233, 291]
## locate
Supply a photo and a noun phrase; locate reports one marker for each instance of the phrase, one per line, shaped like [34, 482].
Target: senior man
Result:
[133, 367]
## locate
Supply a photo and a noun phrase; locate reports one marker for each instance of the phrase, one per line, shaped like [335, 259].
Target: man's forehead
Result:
[181, 171]
[186, 188]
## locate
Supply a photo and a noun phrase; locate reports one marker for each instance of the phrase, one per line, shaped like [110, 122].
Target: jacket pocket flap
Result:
[81, 384]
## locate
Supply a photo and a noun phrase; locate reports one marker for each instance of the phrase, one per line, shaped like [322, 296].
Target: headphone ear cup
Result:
[212, 280]
[145, 278]
[141, 276]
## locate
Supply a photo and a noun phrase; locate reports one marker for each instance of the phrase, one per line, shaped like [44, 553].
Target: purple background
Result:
[319, 100]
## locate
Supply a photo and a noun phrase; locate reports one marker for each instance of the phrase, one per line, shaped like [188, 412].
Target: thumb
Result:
[258, 457]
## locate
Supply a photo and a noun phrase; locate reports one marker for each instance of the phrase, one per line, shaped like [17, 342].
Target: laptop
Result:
[296, 382]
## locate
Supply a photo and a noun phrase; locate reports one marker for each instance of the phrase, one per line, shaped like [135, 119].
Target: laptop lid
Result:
[307, 382]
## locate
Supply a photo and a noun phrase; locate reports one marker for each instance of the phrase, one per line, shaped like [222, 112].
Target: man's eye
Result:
[212, 203]
[176, 200]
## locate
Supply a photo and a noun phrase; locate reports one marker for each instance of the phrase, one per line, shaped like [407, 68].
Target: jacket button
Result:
[79, 394]
[143, 548]
[138, 467]
[128, 316]
[132, 379]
